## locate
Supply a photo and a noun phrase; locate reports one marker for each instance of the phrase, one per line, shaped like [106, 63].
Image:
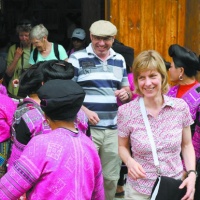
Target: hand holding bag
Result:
[165, 188]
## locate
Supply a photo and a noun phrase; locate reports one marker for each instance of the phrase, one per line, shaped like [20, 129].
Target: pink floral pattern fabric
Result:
[167, 132]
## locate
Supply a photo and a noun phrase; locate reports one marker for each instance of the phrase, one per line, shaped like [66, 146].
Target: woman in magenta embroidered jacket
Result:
[184, 67]
[63, 164]
[170, 122]
[7, 109]
[183, 70]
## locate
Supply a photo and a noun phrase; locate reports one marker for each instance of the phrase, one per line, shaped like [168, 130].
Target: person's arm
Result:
[91, 115]
[24, 174]
[124, 149]
[11, 67]
[124, 94]
[196, 136]
[135, 170]
[189, 160]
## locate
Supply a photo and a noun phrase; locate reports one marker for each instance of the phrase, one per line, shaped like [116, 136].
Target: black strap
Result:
[22, 57]
[22, 62]
[35, 54]
[56, 52]
[17, 44]
[88, 132]
[31, 47]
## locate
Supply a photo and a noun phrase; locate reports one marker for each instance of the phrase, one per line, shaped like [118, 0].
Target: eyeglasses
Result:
[105, 39]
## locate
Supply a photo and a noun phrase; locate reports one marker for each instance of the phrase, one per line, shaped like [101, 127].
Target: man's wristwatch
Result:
[194, 171]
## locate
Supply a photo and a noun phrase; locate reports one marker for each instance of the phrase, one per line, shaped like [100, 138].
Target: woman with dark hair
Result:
[63, 164]
[184, 67]
[29, 118]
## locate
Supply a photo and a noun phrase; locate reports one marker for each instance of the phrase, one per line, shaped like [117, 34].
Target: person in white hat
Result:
[102, 74]
[77, 41]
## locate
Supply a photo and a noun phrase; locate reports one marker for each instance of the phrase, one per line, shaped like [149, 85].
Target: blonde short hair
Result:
[150, 60]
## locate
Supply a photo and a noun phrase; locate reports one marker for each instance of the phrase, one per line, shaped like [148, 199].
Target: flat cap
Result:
[103, 28]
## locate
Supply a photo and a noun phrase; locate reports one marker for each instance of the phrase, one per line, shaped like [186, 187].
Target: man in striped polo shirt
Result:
[102, 74]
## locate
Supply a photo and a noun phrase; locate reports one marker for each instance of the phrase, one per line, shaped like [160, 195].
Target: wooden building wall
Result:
[192, 30]
[152, 24]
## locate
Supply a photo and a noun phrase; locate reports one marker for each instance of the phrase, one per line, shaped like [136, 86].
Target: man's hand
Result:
[123, 95]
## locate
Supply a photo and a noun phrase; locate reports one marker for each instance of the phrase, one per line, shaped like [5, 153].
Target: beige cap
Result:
[103, 28]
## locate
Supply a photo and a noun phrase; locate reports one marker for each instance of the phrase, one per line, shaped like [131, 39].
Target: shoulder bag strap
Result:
[149, 132]
[56, 52]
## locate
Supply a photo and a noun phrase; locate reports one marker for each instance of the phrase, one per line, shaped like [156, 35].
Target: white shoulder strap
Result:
[149, 132]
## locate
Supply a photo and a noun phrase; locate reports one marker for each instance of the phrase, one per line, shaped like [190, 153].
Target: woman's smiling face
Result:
[150, 83]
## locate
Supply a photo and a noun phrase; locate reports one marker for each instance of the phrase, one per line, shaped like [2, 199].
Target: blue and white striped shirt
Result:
[100, 79]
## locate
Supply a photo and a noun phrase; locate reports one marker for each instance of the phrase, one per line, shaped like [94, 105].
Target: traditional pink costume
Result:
[59, 165]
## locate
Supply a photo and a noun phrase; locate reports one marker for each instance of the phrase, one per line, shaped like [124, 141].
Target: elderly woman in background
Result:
[65, 156]
[44, 50]
[170, 137]
[184, 67]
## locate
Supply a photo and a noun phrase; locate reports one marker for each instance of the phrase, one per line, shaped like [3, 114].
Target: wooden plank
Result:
[123, 22]
[134, 25]
[160, 26]
[181, 22]
[168, 24]
[192, 21]
[174, 26]
[114, 13]
[147, 24]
